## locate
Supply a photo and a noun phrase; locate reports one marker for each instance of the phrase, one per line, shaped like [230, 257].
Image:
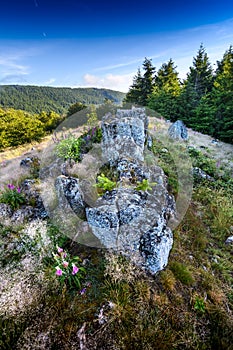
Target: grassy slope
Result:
[189, 305]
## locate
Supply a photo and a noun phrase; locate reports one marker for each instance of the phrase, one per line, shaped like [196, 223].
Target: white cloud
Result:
[109, 81]
[50, 81]
[11, 71]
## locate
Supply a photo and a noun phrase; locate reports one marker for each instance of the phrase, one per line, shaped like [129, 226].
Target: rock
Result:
[23, 214]
[229, 240]
[200, 174]
[5, 211]
[29, 162]
[134, 223]
[33, 199]
[178, 131]
[69, 193]
[124, 135]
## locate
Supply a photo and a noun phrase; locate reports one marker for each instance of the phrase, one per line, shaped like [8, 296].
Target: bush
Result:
[12, 196]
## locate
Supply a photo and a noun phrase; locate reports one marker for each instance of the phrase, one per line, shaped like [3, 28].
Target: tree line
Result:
[204, 100]
[35, 99]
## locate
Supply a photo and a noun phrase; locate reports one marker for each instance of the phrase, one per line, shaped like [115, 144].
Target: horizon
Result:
[101, 45]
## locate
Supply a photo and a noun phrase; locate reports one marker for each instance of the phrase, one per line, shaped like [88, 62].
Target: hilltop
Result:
[35, 99]
[188, 305]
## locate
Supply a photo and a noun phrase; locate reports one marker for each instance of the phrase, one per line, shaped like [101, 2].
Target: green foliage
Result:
[69, 270]
[203, 162]
[199, 305]
[75, 108]
[182, 273]
[35, 99]
[70, 148]
[12, 196]
[142, 86]
[92, 120]
[203, 100]
[145, 185]
[18, 127]
[104, 183]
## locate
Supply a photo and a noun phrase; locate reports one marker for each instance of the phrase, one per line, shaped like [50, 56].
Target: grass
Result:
[188, 305]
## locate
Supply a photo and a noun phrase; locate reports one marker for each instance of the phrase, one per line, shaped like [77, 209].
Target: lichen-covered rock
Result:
[178, 131]
[5, 211]
[69, 194]
[124, 135]
[200, 174]
[134, 223]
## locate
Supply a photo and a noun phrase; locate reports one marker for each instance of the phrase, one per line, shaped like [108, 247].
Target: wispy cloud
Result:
[11, 70]
[110, 81]
[126, 63]
[50, 81]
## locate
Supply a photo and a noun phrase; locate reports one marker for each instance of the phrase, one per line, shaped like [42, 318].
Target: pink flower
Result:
[60, 250]
[75, 269]
[58, 271]
[11, 186]
[65, 264]
[18, 189]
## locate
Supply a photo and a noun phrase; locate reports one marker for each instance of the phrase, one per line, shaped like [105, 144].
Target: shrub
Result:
[70, 148]
[12, 196]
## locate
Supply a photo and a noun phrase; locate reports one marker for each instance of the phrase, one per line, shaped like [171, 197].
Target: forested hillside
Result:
[203, 100]
[35, 99]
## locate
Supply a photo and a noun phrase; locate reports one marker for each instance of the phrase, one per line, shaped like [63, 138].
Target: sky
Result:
[76, 43]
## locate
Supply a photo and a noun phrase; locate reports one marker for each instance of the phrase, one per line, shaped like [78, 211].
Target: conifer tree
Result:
[142, 86]
[166, 90]
[222, 97]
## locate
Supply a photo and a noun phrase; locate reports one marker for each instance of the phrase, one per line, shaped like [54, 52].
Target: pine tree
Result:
[199, 83]
[222, 97]
[143, 85]
[135, 90]
[166, 90]
[201, 74]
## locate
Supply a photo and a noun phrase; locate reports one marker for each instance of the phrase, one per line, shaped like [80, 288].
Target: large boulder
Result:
[133, 222]
[124, 134]
[178, 131]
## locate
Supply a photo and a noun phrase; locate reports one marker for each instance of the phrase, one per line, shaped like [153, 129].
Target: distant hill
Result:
[34, 99]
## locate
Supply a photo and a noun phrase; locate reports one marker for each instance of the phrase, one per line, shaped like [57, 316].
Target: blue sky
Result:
[102, 43]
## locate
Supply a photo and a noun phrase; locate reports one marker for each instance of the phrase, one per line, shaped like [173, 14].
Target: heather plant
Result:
[69, 270]
[13, 196]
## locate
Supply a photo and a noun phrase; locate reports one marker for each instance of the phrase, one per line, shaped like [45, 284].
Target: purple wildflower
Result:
[18, 189]
[58, 271]
[11, 186]
[83, 291]
[60, 250]
[75, 269]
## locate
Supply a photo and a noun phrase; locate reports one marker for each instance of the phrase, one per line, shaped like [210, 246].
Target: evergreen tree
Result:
[166, 91]
[135, 89]
[143, 85]
[147, 81]
[222, 97]
[201, 74]
[199, 83]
